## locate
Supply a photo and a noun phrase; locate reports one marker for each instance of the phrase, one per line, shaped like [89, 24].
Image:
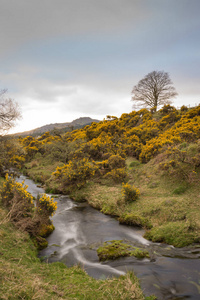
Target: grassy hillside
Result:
[153, 155]
[143, 168]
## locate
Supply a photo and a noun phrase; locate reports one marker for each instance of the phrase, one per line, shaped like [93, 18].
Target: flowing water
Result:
[170, 273]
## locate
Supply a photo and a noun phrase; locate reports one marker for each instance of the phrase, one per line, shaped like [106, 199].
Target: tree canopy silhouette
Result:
[153, 90]
[9, 112]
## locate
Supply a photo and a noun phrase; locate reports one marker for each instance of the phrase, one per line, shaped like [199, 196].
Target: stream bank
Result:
[170, 273]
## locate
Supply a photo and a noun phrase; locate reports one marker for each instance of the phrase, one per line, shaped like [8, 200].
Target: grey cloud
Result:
[99, 102]
[22, 20]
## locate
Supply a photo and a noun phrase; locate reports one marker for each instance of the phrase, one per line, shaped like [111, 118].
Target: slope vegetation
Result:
[143, 168]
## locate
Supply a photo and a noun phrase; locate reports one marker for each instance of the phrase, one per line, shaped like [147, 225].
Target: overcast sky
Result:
[65, 59]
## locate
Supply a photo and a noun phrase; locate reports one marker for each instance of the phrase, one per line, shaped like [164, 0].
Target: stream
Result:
[170, 273]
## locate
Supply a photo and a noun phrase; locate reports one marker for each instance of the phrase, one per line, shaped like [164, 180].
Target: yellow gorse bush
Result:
[46, 203]
[129, 193]
[186, 129]
[27, 215]
[88, 151]
[11, 187]
[75, 172]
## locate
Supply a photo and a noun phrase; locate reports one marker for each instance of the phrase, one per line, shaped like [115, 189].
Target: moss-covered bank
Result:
[117, 248]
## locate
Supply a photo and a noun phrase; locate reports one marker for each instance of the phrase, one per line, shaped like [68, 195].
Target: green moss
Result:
[136, 220]
[179, 234]
[46, 230]
[116, 248]
[40, 242]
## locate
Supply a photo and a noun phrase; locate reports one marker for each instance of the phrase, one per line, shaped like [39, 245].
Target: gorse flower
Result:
[129, 193]
[46, 203]
[12, 188]
[75, 172]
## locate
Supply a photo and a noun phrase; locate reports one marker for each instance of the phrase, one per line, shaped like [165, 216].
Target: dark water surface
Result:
[170, 273]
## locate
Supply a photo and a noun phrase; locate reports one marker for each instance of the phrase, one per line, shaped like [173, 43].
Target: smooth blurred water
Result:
[171, 273]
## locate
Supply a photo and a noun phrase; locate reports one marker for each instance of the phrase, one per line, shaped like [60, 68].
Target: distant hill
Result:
[60, 127]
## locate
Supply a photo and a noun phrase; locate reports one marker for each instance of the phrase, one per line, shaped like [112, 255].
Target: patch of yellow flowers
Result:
[47, 203]
[129, 193]
[11, 187]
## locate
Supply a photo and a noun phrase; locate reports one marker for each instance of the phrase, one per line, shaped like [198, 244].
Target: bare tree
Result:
[153, 90]
[9, 112]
